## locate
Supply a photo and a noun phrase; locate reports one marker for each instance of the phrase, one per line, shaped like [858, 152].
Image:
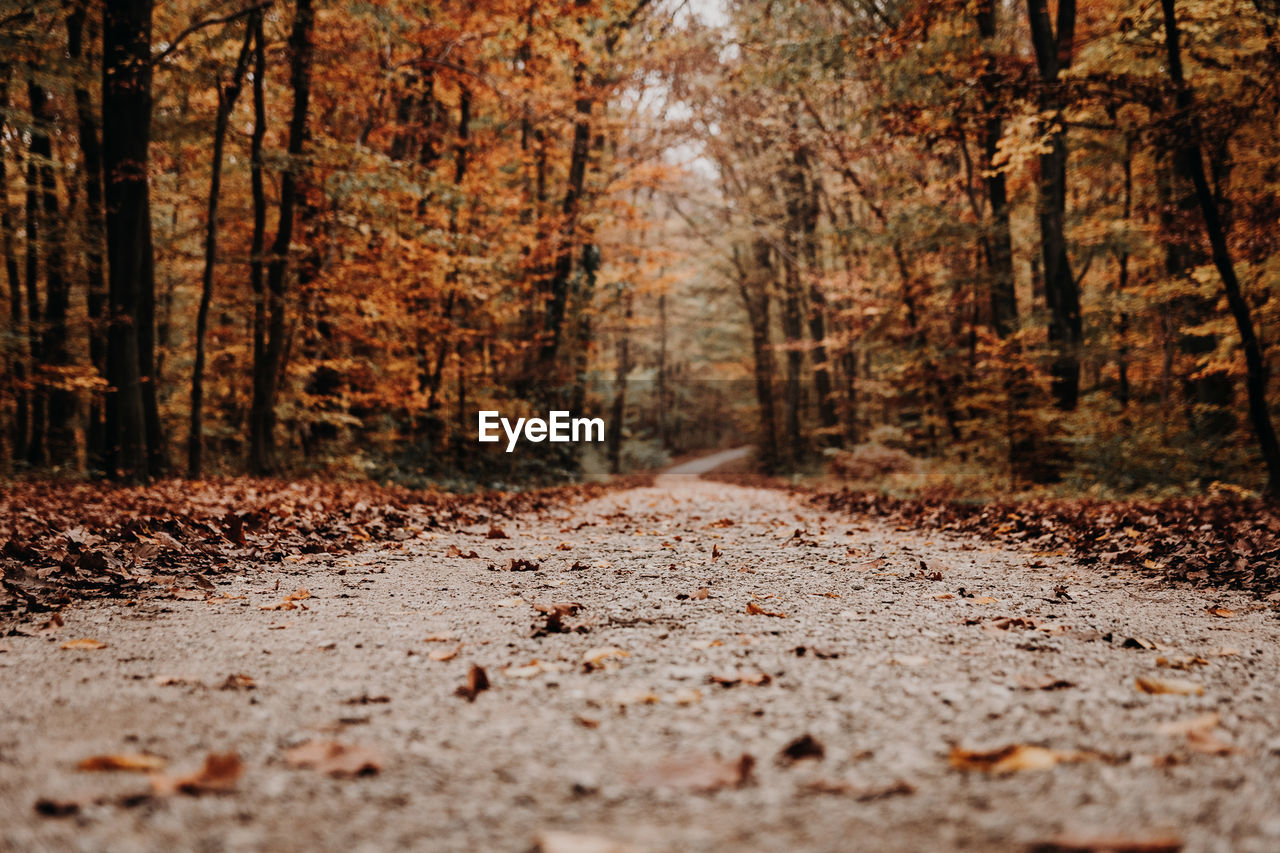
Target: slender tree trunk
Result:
[18, 365]
[1122, 284]
[999, 242]
[55, 335]
[1054, 51]
[1256, 369]
[754, 285]
[227, 97]
[95, 270]
[35, 443]
[258, 240]
[618, 412]
[126, 131]
[262, 445]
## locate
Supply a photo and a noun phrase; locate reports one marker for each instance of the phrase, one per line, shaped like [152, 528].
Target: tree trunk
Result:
[258, 240]
[999, 242]
[618, 413]
[95, 271]
[1054, 51]
[18, 364]
[226, 104]
[262, 444]
[126, 132]
[36, 436]
[754, 286]
[55, 347]
[1256, 369]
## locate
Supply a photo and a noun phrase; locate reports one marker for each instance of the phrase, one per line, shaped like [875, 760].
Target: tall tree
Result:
[266, 373]
[1054, 49]
[1215, 230]
[126, 134]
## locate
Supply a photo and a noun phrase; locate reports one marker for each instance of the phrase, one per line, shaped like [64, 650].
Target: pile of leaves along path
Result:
[1219, 541]
[62, 541]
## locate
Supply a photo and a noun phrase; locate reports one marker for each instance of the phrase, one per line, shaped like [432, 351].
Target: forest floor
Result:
[687, 666]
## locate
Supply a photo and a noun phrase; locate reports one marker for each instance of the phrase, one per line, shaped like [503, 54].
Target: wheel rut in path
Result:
[716, 622]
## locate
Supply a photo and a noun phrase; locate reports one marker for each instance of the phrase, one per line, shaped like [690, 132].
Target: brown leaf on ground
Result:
[517, 564]
[701, 595]
[751, 679]
[598, 657]
[455, 551]
[1108, 844]
[1184, 662]
[477, 683]
[220, 773]
[819, 652]
[984, 599]
[804, 747]
[571, 842]
[705, 773]
[555, 615]
[1170, 686]
[290, 601]
[861, 793]
[1200, 734]
[83, 644]
[129, 762]
[565, 546]
[238, 681]
[1014, 758]
[335, 759]
[1046, 683]
[587, 722]
[754, 609]
[441, 637]
[1220, 612]
[445, 654]
[496, 533]
[715, 552]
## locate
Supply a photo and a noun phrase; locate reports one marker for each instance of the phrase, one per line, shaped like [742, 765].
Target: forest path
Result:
[872, 659]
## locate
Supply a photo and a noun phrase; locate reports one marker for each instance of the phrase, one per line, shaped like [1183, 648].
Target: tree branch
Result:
[208, 22]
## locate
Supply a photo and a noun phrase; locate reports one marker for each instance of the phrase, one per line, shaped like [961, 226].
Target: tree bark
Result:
[1054, 50]
[999, 241]
[1256, 369]
[227, 97]
[126, 132]
[262, 442]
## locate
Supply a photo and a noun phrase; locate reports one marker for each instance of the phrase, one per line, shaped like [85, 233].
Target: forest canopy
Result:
[1020, 242]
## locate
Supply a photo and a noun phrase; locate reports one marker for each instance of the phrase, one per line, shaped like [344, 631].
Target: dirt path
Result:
[894, 672]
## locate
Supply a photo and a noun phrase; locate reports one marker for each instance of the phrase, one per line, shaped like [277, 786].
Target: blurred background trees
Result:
[1014, 243]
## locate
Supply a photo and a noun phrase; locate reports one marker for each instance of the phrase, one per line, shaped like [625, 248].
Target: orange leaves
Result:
[218, 774]
[132, 762]
[83, 644]
[290, 601]
[1014, 758]
[754, 609]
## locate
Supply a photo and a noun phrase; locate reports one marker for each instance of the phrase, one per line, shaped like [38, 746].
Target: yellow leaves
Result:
[129, 762]
[1168, 686]
[1014, 758]
[83, 644]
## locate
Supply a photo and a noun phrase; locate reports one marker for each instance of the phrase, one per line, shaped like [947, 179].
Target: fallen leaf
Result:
[290, 601]
[595, 658]
[701, 595]
[587, 722]
[1108, 844]
[496, 533]
[455, 551]
[1220, 612]
[751, 679]
[861, 793]
[440, 637]
[754, 609]
[445, 654]
[984, 599]
[516, 564]
[555, 615]
[477, 683]
[1184, 662]
[819, 652]
[529, 670]
[705, 773]
[175, 681]
[238, 681]
[570, 842]
[1170, 686]
[83, 644]
[715, 552]
[56, 808]
[1013, 758]
[220, 773]
[130, 762]
[944, 596]
[335, 759]
[804, 747]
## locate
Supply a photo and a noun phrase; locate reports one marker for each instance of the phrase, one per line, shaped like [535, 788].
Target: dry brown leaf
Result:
[238, 681]
[477, 683]
[496, 533]
[704, 773]
[861, 793]
[335, 759]
[701, 595]
[1013, 758]
[1170, 686]
[715, 552]
[1108, 844]
[441, 637]
[455, 551]
[587, 722]
[944, 596]
[83, 644]
[751, 679]
[804, 747]
[1184, 662]
[220, 773]
[130, 762]
[1220, 612]
[290, 601]
[984, 599]
[596, 658]
[48, 807]
[570, 842]
[445, 654]
[754, 609]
